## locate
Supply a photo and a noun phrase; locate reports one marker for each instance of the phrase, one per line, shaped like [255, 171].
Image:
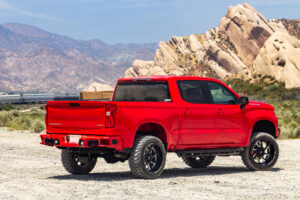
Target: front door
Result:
[197, 115]
[230, 120]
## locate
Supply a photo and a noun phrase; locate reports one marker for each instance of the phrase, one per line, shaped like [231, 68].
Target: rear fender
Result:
[150, 121]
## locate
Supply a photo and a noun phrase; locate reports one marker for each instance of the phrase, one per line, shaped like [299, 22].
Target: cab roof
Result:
[166, 77]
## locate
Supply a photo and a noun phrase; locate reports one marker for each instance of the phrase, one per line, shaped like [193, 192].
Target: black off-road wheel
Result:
[75, 163]
[148, 157]
[198, 161]
[262, 152]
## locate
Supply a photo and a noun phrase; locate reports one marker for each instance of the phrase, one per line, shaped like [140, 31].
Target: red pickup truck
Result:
[195, 117]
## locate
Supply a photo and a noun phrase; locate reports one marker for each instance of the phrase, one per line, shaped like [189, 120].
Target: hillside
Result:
[32, 59]
[245, 45]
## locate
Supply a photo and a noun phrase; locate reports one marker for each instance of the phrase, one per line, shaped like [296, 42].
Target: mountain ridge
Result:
[32, 59]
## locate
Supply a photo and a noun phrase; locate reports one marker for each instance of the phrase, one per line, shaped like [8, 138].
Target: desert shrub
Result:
[293, 125]
[4, 118]
[286, 133]
[38, 126]
[22, 122]
[36, 113]
[296, 133]
[15, 114]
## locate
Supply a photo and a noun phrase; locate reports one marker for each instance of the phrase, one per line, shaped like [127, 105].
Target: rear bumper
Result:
[83, 141]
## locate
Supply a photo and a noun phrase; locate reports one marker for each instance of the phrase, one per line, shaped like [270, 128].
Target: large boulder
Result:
[144, 68]
[280, 58]
[96, 87]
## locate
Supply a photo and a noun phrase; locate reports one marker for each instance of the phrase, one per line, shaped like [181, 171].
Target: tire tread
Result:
[198, 164]
[69, 163]
[134, 160]
[245, 153]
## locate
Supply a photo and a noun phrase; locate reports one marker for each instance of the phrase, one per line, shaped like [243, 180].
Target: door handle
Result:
[187, 111]
[220, 111]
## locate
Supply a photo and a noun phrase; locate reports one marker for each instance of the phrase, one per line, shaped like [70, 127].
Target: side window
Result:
[220, 94]
[192, 91]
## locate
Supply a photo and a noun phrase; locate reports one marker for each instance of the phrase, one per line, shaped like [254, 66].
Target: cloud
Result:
[7, 6]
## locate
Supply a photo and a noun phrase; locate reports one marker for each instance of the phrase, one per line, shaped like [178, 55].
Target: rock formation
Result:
[239, 45]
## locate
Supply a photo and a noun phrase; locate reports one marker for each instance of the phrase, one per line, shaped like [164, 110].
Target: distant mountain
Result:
[32, 59]
[244, 45]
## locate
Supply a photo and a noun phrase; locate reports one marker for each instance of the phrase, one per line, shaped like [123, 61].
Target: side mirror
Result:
[244, 101]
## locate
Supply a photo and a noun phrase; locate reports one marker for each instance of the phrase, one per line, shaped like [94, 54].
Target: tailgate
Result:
[76, 117]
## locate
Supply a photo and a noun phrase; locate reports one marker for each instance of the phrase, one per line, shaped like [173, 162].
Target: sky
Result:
[132, 21]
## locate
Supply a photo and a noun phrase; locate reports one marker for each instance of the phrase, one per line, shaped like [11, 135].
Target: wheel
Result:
[148, 157]
[198, 161]
[77, 164]
[262, 152]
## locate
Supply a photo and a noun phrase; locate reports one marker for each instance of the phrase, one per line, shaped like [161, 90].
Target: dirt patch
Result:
[29, 170]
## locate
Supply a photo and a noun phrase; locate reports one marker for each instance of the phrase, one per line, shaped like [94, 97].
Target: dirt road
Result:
[29, 170]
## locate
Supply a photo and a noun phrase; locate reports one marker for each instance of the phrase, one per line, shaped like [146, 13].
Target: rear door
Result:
[197, 115]
[76, 117]
[230, 119]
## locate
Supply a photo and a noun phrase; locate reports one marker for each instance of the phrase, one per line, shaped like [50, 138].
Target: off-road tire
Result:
[271, 154]
[198, 161]
[72, 164]
[138, 159]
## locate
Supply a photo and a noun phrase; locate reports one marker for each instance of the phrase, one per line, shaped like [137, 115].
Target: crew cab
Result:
[197, 118]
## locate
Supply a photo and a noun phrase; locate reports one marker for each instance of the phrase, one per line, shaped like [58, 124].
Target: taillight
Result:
[110, 120]
[46, 116]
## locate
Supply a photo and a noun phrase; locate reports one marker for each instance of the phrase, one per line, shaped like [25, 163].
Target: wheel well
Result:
[264, 126]
[152, 129]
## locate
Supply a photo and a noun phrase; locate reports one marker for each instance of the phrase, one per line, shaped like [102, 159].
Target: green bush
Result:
[6, 107]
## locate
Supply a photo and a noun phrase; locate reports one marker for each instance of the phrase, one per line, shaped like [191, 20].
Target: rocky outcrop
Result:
[247, 30]
[292, 26]
[229, 49]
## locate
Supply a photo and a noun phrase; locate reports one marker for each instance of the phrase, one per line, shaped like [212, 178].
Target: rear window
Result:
[192, 91]
[142, 91]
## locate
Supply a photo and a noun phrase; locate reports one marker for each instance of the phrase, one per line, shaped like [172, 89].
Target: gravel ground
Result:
[29, 170]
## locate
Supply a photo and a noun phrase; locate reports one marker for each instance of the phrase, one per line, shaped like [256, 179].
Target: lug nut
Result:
[81, 143]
